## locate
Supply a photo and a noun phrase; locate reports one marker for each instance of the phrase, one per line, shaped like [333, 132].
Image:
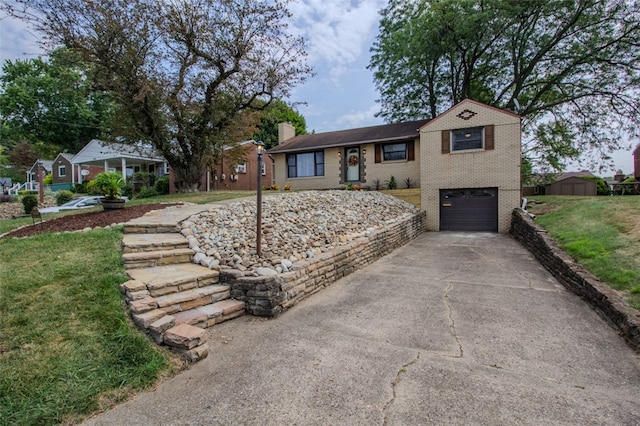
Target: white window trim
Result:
[62, 169]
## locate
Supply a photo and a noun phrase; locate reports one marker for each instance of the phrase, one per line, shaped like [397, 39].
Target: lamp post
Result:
[260, 150]
[41, 181]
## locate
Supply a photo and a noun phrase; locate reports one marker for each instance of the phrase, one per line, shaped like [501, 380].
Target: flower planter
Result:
[112, 204]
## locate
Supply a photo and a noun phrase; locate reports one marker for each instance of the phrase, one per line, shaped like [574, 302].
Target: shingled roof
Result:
[396, 132]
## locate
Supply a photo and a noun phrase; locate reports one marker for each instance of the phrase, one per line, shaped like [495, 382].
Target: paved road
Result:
[450, 329]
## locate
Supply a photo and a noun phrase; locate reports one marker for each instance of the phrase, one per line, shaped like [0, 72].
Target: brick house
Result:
[242, 175]
[466, 162]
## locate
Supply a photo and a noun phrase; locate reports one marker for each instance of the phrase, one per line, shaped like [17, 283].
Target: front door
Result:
[352, 159]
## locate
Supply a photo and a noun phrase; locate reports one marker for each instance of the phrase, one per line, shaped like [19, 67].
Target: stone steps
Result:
[171, 298]
[148, 259]
[136, 243]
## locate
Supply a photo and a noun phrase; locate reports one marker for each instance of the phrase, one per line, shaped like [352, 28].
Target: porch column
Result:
[124, 170]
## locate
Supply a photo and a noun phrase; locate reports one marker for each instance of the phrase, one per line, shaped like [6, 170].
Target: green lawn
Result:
[600, 233]
[67, 346]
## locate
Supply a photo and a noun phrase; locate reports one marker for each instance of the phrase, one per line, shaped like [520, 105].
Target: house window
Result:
[466, 139]
[305, 164]
[62, 171]
[263, 168]
[241, 168]
[394, 151]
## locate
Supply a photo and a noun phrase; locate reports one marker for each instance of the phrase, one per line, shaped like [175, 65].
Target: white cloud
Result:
[338, 32]
[363, 118]
[17, 41]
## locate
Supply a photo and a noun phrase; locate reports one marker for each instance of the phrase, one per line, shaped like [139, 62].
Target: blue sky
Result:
[339, 34]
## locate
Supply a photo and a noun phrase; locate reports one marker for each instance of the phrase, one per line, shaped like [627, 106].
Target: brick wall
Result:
[607, 302]
[499, 167]
[269, 296]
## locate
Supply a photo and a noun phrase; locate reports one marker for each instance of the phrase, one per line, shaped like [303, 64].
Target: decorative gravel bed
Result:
[296, 226]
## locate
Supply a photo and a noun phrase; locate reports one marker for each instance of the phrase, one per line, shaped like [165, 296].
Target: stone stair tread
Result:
[156, 254]
[210, 314]
[171, 274]
[185, 296]
[134, 241]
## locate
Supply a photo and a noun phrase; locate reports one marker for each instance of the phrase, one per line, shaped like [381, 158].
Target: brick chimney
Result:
[285, 131]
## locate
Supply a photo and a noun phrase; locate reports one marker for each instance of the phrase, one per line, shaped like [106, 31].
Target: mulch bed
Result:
[80, 221]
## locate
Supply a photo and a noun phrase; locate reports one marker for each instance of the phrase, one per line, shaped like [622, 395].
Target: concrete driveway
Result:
[451, 329]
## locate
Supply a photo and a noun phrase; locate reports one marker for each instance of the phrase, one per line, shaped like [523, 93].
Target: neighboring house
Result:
[116, 157]
[244, 175]
[572, 183]
[363, 156]
[33, 173]
[466, 161]
[61, 169]
[568, 183]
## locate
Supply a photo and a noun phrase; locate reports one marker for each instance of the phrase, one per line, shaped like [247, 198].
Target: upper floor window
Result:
[464, 139]
[305, 164]
[469, 139]
[62, 171]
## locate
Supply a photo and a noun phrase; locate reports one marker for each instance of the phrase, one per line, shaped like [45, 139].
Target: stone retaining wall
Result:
[607, 302]
[271, 295]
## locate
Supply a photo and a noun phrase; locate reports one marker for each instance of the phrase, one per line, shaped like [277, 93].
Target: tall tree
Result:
[50, 104]
[278, 112]
[570, 68]
[181, 71]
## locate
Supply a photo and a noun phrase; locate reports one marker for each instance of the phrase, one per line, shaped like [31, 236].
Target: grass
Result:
[67, 346]
[411, 196]
[600, 233]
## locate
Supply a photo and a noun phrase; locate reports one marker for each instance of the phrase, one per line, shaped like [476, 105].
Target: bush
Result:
[601, 186]
[63, 197]
[29, 201]
[375, 183]
[162, 185]
[48, 179]
[391, 183]
[127, 190]
[80, 188]
[409, 183]
[144, 179]
[146, 192]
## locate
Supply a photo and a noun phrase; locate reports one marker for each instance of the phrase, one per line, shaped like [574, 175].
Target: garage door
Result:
[471, 209]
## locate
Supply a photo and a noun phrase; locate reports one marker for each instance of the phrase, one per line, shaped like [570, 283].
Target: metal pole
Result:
[260, 147]
[41, 182]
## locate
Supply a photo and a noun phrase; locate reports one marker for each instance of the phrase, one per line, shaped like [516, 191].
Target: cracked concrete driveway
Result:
[451, 329]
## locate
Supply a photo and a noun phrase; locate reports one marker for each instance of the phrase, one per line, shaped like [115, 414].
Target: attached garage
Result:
[470, 159]
[469, 209]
